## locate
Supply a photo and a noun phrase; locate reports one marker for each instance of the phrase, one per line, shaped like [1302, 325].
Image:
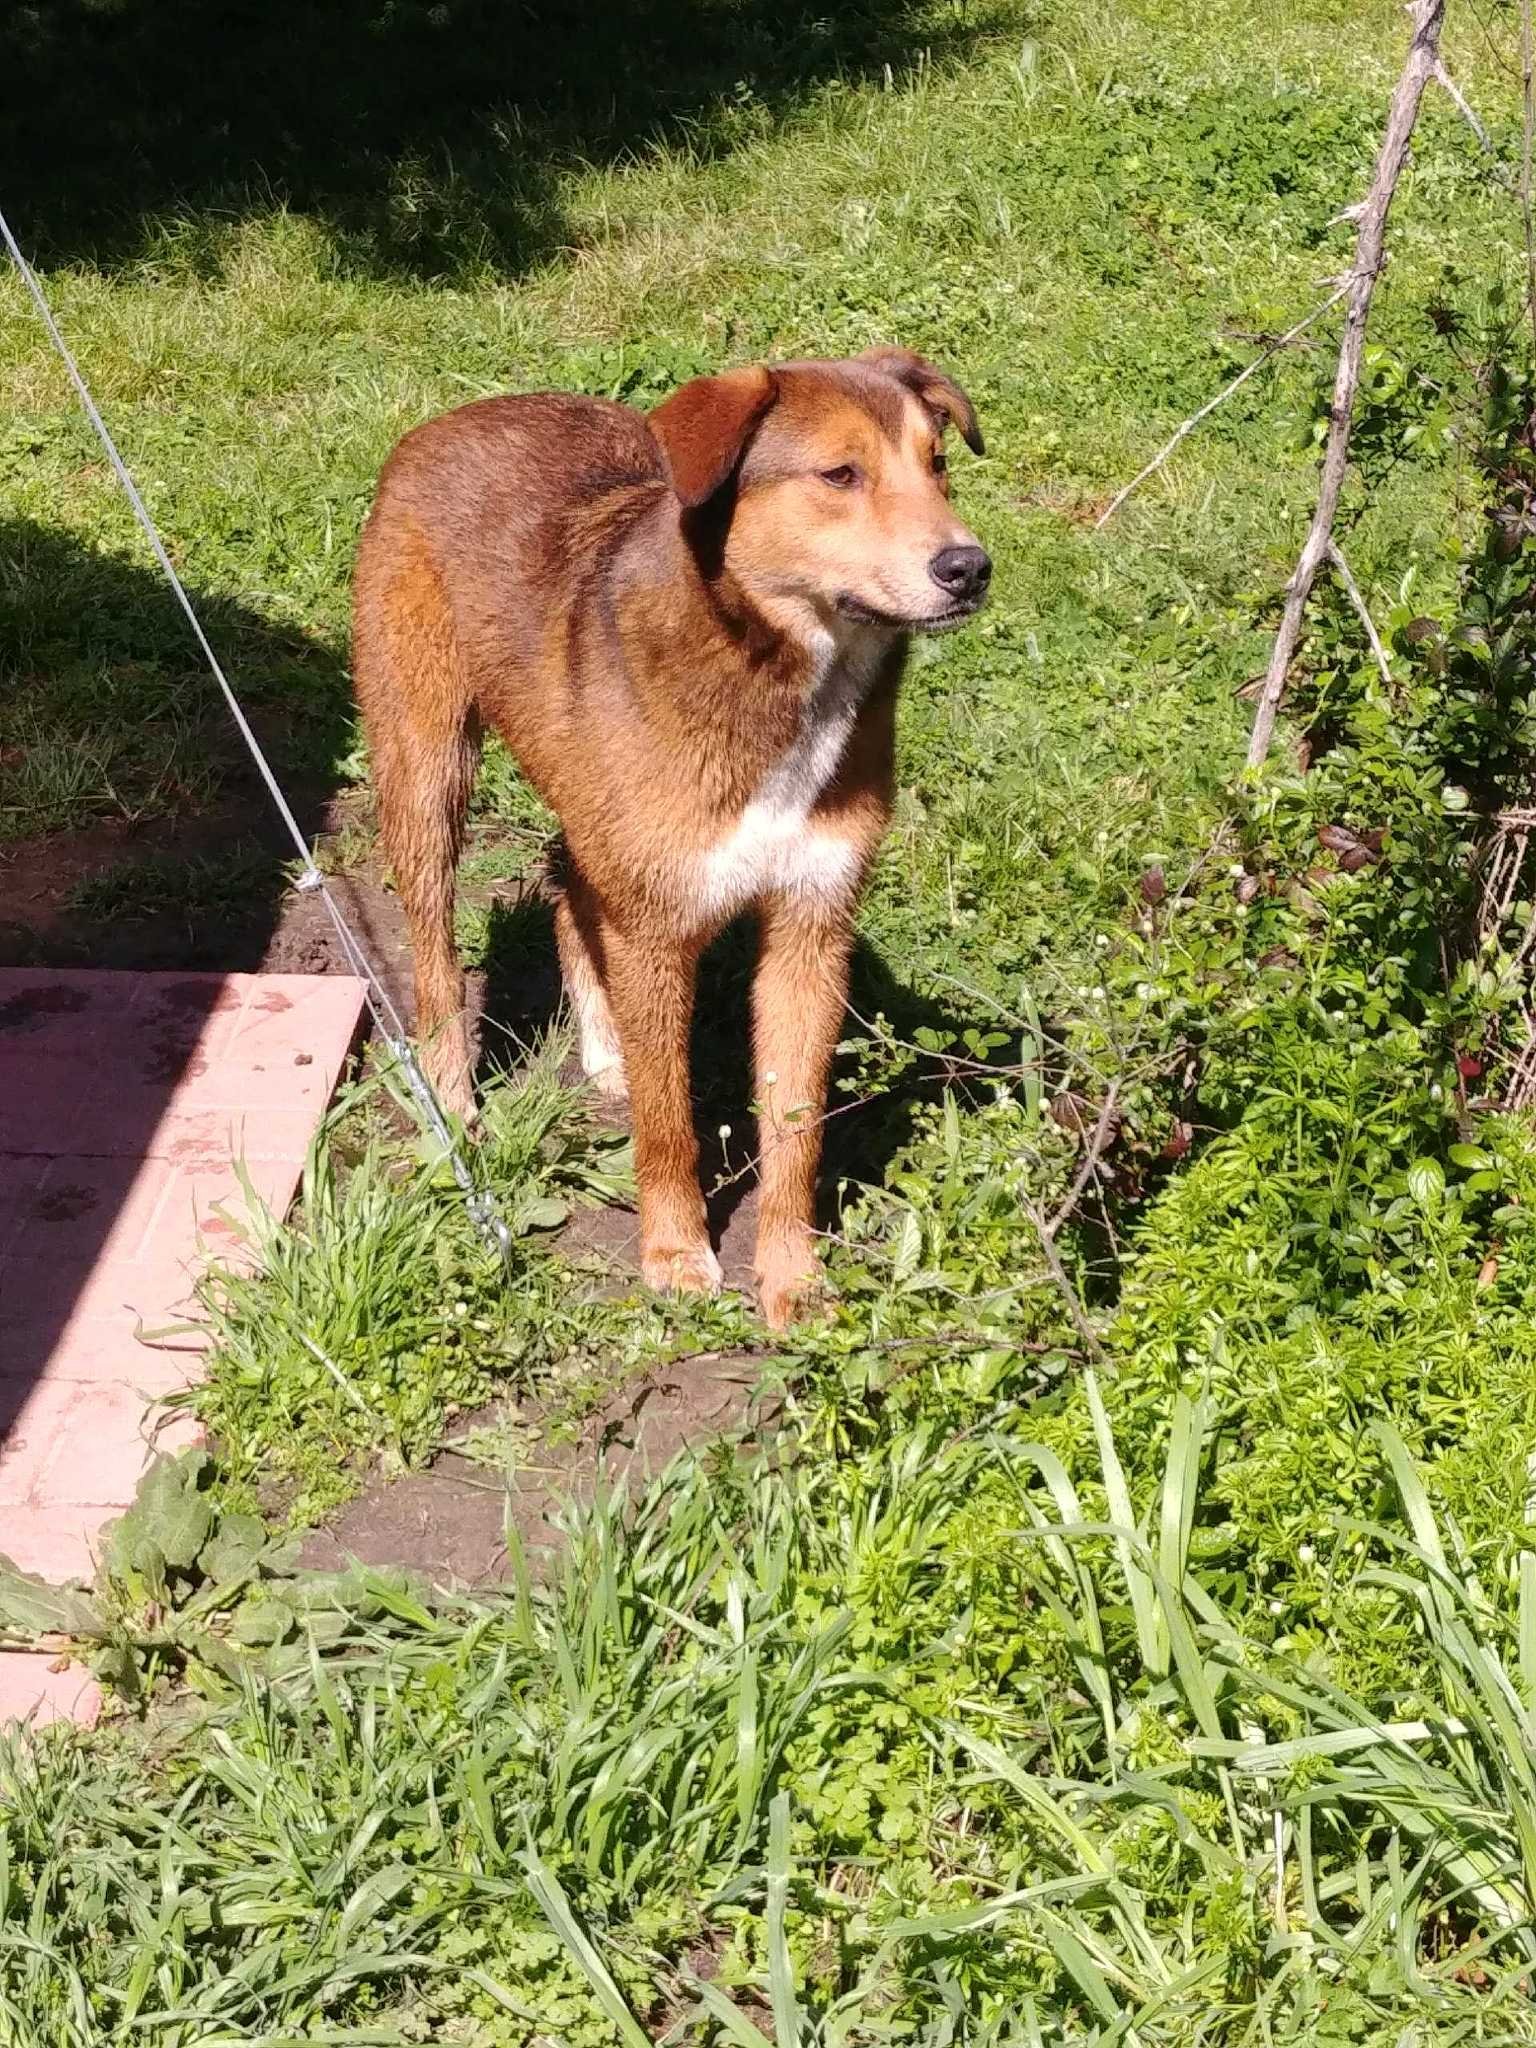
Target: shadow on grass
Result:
[522, 1002]
[133, 829]
[429, 137]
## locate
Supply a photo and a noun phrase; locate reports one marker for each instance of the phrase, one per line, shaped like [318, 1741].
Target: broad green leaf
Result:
[232, 1550]
[30, 1607]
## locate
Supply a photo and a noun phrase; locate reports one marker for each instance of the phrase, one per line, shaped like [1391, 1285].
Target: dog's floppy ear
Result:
[703, 428]
[939, 393]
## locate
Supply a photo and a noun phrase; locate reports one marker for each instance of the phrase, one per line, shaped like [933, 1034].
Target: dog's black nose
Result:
[963, 572]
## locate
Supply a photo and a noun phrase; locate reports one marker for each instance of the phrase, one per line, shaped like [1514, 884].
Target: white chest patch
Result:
[773, 847]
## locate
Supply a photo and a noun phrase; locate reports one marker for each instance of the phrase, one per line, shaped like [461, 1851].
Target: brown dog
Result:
[689, 628]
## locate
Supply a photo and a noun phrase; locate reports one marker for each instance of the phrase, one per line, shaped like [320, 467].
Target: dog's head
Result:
[824, 484]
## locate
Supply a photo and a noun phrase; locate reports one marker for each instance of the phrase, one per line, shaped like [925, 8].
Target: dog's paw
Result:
[694, 1271]
[790, 1283]
[448, 1063]
[610, 1081]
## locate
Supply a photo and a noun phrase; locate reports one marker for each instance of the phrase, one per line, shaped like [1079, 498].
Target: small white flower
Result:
[1277, 1607]
[1306, 1554]
[770, 1080]
[725, 1132]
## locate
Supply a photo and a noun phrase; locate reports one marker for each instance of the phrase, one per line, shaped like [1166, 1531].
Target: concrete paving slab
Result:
[125, 1102]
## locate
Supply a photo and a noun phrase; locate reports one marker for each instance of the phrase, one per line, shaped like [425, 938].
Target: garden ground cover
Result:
[1152, 1666]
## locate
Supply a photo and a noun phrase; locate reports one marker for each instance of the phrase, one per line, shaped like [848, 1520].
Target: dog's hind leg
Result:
[424, 743]
[597, 1036]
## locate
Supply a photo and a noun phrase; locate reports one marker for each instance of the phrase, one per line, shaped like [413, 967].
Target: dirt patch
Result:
[211, 892]
[449, 1522]
[199, 892]
[446, 1524]
[305, 942]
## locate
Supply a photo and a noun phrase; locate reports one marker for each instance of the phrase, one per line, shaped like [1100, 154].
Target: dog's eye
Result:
[842, 478]
[940, 462]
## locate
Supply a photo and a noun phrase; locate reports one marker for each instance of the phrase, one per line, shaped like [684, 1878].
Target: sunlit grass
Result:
[1186, 1700]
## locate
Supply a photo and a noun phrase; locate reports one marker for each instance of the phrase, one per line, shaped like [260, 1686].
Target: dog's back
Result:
[493, 528]
[515, 461]
[502, 501]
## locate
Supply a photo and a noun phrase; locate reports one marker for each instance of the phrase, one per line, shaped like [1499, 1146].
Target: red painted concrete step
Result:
[125, 1102]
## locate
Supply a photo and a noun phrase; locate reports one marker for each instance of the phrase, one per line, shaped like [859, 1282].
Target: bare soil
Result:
[449, 1523]
[258, 924]
[261, 924]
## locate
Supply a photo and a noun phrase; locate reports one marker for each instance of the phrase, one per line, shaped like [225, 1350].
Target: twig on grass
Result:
[1341, 569]
[1448, 84]
[1063, 1279]
[342, 1381]
[1272, 349]
[1418, 69]
[1098, 1145]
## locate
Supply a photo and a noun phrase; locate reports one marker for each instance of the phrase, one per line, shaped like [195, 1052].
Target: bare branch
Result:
[1272, 349]
[1448, 84]
[1423, 56]
[1352, 592]
[1063, 1279]
[1098, 1144]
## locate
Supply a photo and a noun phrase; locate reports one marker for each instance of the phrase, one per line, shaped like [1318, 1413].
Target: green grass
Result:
[1179, 1693]
[764, 1750]
[386, 1316]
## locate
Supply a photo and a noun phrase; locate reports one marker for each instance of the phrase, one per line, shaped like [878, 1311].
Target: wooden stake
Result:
[1421, 66]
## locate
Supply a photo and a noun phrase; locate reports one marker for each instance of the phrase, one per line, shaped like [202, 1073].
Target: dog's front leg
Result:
[650, 978]
[798, 1002]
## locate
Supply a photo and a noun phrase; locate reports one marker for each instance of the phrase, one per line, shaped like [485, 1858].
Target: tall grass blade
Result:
[1150, 1637]
[781, 1968]
[556, 1908]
